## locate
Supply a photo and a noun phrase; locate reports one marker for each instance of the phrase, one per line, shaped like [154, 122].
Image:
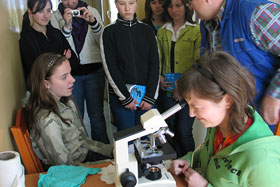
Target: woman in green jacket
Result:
[239, 148]
[179, 43]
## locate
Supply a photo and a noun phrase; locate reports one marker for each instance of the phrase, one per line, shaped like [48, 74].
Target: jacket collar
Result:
[128, 23]
[169, 26]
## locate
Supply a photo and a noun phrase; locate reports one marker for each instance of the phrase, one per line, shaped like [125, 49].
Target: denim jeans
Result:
[124, 118]
[180, 123]
[90, 88]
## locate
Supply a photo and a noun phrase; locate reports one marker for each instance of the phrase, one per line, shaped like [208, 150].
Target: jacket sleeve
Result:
[29, 52]
[274, 87]
[152, 86]
[197, 43]
[100, 147]
[109, 60]
[161, 53]
[52, 144]
[265, 173]
[74, 60]
[97, 26]
[93, 145]
[58, 22]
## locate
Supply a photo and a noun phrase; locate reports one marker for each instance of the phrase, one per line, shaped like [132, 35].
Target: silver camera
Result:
[76, 12]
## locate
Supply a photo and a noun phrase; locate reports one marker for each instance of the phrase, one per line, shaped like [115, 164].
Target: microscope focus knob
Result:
[128, 179]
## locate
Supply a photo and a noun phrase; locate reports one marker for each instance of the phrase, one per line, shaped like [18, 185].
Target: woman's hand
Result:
[145, 106]
[194, 179]
[67, 53]
[68, 18]
[163, 84]
[270, 110]
[86, 15]
[132, 105]
[179, 166]
[176, 95]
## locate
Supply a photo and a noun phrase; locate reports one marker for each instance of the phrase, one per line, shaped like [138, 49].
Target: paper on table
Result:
[108, 174]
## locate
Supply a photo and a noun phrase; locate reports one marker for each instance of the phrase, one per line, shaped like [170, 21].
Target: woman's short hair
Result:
[188, 13]
[215, 75]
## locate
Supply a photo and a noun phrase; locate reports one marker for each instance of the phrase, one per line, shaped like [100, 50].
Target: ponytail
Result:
[40, 4]
[25, 22]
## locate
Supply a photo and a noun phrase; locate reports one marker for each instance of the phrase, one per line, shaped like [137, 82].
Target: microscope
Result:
[144, 166]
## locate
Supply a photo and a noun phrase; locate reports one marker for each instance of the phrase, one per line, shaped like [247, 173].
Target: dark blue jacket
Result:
[237, 40]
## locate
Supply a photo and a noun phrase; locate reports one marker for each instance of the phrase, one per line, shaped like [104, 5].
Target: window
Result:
[112, 13]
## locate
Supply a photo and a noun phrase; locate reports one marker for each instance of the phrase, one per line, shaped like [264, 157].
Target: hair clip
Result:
[50, 65]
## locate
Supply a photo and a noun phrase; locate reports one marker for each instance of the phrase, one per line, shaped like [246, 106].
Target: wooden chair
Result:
[22, 138]
[277, 129]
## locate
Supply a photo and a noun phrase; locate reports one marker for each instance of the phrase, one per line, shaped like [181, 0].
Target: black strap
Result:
[172, 56]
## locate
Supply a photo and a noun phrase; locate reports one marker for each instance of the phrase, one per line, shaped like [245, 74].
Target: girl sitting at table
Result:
[57, 132]
[239, 148]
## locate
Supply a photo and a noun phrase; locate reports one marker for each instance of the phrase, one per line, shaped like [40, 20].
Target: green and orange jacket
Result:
[253, 160]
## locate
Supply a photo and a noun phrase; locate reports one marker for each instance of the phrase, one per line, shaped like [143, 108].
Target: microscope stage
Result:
[145, 154]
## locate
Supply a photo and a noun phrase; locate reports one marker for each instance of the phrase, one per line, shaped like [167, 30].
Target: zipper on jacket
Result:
[133, 53]
[204, 174]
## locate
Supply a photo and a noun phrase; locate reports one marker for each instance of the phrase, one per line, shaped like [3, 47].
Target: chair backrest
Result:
[22, 138]
[277, 129]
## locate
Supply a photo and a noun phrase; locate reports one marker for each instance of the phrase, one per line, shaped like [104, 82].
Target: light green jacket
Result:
[187, 48]
[252, 160]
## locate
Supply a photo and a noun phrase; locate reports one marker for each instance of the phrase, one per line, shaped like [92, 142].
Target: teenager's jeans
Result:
[124, 118]
[90, 88]
[180, 123]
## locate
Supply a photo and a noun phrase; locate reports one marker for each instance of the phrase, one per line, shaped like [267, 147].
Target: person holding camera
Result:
[82, 26]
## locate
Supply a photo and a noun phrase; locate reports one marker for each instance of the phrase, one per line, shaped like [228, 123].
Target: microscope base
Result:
[166, 180]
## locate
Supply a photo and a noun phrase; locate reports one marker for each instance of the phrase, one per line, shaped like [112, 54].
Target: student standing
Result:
[154, 14]
[130, 58]
[179, 45]
[38, 36]
[83, 34]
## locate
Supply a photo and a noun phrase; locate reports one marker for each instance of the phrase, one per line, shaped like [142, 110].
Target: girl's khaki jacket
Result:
[187, 48]
[61, 143]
